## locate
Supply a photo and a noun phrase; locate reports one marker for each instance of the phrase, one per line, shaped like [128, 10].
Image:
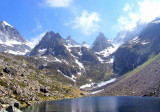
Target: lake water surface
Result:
[99, 104]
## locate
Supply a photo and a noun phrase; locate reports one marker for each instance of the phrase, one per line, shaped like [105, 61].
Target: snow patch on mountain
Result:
[98, 91]
[156, 22]
[72, 79]
[42, 50]
[11, 43]
[4, 23]
[135, 40]
[65, 61]
[17, 52]
[79, 64]
[79, 73]
[86, 45]
[111, 60]
[68, 47]
[107, 51]
[144, 43]
[103, 83]
[100, 59]
[87, 86]
[97, 85]
[57, 60]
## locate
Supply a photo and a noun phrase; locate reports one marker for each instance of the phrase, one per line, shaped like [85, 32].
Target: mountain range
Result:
[122, 62]
[138, 45]
[122, 54]
[68, 57]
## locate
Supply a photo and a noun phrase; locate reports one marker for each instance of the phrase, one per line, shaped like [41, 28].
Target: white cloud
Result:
[57, 3]
[86, 22]
[128, 22]
[38, 26]
[147, 10]
[127, 7]
[35, 40]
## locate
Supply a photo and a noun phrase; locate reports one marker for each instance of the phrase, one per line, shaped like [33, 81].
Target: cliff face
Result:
[138, 50]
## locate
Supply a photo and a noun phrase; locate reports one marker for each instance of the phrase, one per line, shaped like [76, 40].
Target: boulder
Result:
[10, 70]
[9, 109]
[1, 74]
[43, 90]
[16, 105]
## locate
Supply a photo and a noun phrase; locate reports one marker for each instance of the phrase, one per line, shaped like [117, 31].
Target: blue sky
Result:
[82, 19]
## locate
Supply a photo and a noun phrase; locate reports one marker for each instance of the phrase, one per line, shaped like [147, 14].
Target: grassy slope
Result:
[144, 80]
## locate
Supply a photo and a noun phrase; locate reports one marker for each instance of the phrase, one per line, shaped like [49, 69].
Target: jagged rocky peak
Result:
[4, 24]
[71, 41]
[101, 43]
[84, 44]
[11, 41]
[49, 37]
[46, 39]
[48, 42]
[41, 48]
[9, 32]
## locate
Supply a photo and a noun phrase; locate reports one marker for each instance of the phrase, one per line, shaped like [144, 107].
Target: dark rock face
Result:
[127, 59]
[137, 51]
[88, 55]
[9, 109]
[43, 44]
[52, 44]
[1, 74]
[12, 41]
[101, 43]
[17, 105]
[71, 41]
[43, 90]
[9, 70]
[57, 48]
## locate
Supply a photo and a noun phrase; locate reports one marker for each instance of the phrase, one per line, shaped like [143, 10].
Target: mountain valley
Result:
[59, 68]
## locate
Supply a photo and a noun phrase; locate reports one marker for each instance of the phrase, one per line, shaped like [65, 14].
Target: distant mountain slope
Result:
[143, 81]
[127, 35]
[136, 51]
[11, 40]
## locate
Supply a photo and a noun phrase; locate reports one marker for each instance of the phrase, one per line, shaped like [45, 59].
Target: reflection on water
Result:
[99, 104]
